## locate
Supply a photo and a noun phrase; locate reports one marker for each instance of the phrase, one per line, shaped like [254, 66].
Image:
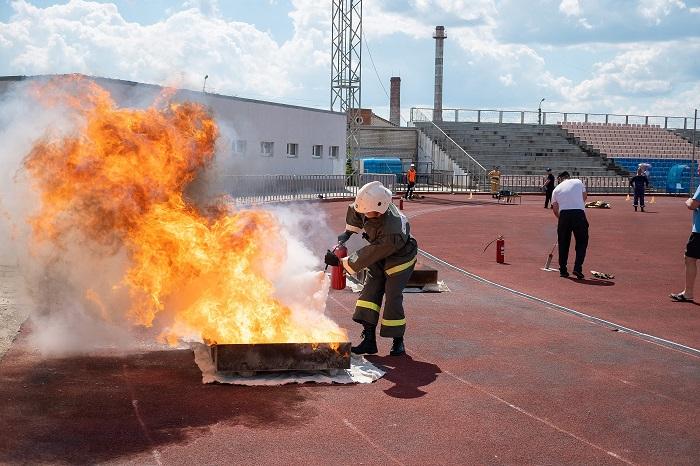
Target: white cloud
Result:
[695, 10]
[656, 10]
[93, 38]
[506, 79]
[570, 7]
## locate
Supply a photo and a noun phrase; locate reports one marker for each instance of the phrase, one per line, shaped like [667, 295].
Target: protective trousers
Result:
[572, 221]
[409, 191]
[548, 197]
[387, 284]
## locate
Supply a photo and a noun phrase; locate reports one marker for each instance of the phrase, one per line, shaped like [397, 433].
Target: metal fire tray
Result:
[248, 358]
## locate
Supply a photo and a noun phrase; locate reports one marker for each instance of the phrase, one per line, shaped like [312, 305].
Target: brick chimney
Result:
[395, 101]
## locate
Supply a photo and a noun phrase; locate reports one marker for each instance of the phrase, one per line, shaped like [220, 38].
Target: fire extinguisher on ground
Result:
[500, 250]
[338, 272]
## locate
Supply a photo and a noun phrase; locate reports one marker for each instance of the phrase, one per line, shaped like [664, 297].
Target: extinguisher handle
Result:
[333, 250]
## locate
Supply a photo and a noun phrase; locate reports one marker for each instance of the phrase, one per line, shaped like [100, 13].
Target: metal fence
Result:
[246, 190]
[549, 118]
[448, 183]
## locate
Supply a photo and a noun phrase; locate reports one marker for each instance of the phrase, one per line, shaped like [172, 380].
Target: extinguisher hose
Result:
[491, 242]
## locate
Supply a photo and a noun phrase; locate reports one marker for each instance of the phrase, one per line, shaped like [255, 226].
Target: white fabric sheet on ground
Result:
[361, 371]
[439, 287]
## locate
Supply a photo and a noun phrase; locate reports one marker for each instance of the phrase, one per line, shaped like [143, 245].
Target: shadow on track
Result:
[592, 281]
[86, 410]
[407, 374]
[441, 201]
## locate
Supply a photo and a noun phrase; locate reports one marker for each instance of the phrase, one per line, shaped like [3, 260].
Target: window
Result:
[317, 151]
[292, 149]
[239, 146]
[267, 148]
[333, 151]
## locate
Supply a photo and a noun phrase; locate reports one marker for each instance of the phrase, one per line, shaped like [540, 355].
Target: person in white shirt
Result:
[568, 201]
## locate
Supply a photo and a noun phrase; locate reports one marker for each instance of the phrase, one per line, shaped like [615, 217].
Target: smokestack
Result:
[395, 101]
[439, 37]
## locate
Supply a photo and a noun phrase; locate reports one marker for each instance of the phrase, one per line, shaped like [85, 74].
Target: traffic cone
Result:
[653, 199]
[628, 197]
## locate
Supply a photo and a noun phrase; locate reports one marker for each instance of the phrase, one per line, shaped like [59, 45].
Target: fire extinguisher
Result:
[500, 250]
[338, 272]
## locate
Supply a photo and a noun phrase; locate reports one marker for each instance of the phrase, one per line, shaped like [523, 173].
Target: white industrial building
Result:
[257, 137]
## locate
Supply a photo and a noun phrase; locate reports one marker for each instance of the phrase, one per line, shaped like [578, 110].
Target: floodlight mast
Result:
[346, 55]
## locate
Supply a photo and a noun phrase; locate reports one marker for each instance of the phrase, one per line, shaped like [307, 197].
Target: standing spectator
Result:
[548, 187]
[639, 182]
[692, 251]
[495, 177]
[568, 205]
[411, 180]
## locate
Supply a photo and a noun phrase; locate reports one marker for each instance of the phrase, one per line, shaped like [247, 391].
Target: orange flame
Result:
[119, 183]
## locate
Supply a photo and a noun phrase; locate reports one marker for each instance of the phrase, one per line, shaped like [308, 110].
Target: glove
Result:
[344, 236]
[331, 259]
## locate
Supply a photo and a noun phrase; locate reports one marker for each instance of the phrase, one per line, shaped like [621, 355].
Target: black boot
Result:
[368, 345]
[397, 348]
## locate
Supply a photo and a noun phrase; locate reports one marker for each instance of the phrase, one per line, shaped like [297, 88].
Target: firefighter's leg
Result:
[367, 308]
[393, 323]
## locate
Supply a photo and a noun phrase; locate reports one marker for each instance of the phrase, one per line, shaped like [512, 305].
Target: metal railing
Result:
[250, 189]
[448, 183]
[551, 118]
[475, 171]
[246, 190]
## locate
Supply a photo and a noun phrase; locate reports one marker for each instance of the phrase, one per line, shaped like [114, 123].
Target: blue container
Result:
[383, 165]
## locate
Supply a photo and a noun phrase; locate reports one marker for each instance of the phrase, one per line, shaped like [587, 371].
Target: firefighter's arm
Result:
[368, 255]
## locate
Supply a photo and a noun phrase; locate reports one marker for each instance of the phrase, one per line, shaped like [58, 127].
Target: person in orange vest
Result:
[411, 180]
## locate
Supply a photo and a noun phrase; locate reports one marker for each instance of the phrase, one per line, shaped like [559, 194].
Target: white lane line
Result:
[144, 429]
[512, 406]
[357, 431]
[533, 416]
[668, 344]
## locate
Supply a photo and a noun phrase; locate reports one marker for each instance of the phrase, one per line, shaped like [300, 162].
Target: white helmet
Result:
[372, 197]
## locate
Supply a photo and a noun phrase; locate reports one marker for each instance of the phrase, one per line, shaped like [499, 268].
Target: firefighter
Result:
[389, 259]
[411, 180]
[495, 177]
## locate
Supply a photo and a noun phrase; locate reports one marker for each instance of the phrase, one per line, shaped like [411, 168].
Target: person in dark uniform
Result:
[639, 182]
[568, 205]
[548, 187]
[389, 259]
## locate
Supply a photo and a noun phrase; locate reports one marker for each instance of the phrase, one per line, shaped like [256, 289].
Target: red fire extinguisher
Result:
[500, 250]
[338, 272]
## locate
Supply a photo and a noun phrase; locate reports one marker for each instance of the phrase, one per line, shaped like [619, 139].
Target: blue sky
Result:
[622, 56]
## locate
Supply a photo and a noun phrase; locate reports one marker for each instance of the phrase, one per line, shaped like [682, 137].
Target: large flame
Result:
[119, 182]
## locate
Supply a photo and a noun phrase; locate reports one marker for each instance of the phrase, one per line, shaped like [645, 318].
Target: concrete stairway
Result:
[521, 149]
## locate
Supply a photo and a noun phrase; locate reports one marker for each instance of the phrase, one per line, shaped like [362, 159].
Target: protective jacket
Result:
[389, 237]
[389, 259]
[411, 176]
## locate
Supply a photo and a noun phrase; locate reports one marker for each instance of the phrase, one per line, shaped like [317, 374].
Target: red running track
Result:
[491, 377]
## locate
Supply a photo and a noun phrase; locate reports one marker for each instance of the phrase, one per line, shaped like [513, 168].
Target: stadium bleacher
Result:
[628, 145]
